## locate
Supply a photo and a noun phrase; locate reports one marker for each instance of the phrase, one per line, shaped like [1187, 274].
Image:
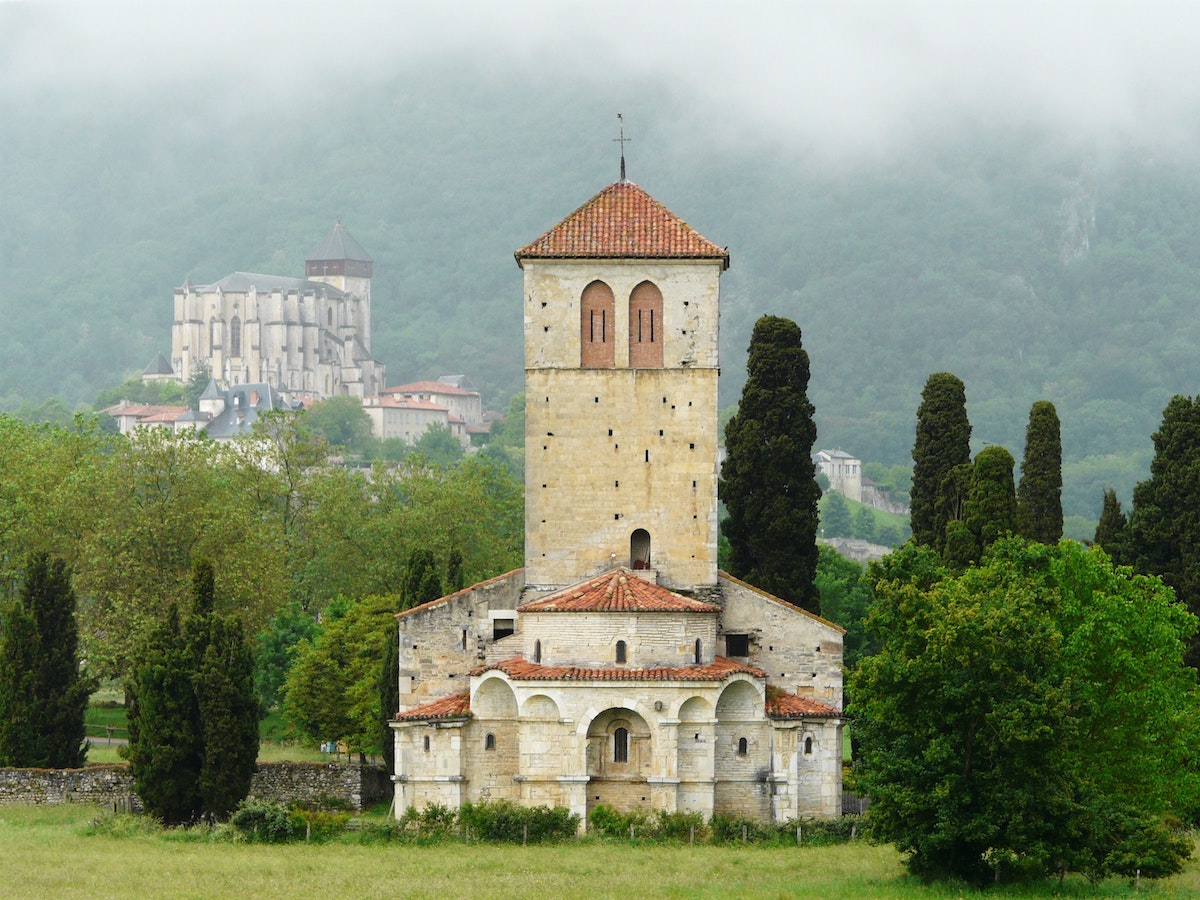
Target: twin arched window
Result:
[597, 309]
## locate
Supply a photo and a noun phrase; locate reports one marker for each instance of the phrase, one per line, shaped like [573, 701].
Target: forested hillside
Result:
[1030, 266]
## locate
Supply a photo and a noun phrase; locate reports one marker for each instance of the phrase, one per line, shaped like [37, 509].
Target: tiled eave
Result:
[519, 669]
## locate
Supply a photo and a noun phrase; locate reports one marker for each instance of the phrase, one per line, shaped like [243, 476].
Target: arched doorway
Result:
[639, 549]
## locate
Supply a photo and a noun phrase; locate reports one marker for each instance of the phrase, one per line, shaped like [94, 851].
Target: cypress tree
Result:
[1164, 523]
[1039, 495]
[193, 718]
[165, 747]
[228, 708]
[1112, 531]
[991, 508]
[942, 442]
[421, 580]
[42, 692]
[389, 699]
[768, 481]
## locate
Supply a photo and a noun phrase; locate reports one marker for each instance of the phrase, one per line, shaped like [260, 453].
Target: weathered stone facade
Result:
[619, 666]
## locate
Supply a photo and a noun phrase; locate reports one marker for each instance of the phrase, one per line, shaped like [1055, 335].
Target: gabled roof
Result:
[623, 222]
[456, 706]
[518, 669]
[618, 591]
[429, 604]
[783, 704]
[339, 245]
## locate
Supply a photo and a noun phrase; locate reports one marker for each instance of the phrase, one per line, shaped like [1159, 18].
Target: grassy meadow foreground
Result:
[58, 851]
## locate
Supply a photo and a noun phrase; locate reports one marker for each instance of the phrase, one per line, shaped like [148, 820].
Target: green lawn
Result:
[35, 842]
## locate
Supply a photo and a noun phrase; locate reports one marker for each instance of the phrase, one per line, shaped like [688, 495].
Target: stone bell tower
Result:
[621, 321]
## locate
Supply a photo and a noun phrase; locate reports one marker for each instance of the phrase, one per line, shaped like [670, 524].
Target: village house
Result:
[619, 666]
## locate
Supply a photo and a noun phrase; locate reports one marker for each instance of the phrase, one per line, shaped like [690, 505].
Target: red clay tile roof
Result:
[783, 704]
[456, 706]
[623, 222]
[617, 591]
[518, 669]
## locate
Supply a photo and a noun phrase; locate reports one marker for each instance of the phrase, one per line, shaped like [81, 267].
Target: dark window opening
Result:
[808, 745]
[737, 645]
[537, 651]
[621, 651]
[489, 742]
[502, 628]
[743, 746]
[698, 649]
[621, 745]
[426, 743]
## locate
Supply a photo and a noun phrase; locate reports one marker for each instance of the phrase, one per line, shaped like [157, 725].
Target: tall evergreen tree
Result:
[1112, 531]
[1164, 523]
[768, 481]
[389, 699]
[421, 580]
[991, 509]
[1039, 495]
[943, 441]
[193, 719]
[165, 748]
[43, 695]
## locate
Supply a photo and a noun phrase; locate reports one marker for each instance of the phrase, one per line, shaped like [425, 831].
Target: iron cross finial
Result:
[621, 139]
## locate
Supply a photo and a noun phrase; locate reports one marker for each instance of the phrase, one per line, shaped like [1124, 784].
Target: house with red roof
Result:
[619, 666]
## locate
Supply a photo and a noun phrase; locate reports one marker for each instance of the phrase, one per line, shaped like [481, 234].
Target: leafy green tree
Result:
[768, 481]
[864, 524]
[1039, 495]
[845, 597]
[1112, 531]
[989, 713]
[1164, 522]
[332, 691]
[439, 446]
[193, 716]
[942, 443]
[275, 651]
[341, 421]
[43, 694]
[835, 516]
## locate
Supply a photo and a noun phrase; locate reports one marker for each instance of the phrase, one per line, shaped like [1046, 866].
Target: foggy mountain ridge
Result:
[1033, 265]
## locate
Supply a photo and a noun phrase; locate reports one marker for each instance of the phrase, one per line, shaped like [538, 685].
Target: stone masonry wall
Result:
[317, 784]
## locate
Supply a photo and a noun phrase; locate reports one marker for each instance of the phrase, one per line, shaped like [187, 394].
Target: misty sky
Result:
[843, 76]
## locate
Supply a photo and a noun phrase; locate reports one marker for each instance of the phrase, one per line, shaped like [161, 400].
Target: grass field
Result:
[54, 851]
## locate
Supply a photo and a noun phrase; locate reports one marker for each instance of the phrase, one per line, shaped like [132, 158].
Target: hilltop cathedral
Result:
[619, 665]
[309, 338]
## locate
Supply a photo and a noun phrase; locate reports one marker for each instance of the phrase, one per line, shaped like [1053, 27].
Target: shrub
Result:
[502, 820]
[264, 821]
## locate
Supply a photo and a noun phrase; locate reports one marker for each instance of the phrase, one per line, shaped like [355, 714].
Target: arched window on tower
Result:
[646, 327]
[621, 654]
[597, 347]
[639, 549]
[698, 655]
[235, 336]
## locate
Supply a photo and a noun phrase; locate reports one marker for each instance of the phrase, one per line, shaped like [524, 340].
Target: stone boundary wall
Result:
[314, 784]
